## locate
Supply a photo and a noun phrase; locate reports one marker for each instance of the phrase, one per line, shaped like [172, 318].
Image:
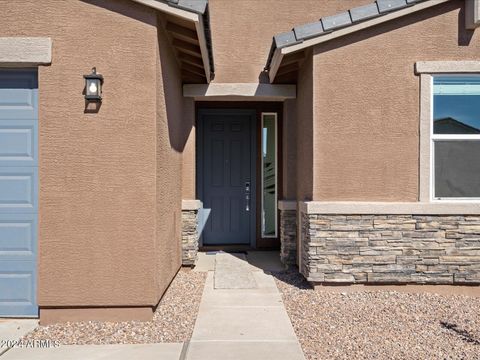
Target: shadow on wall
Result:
[464, 35]
[180, 111]
[123, 7]
[92, 107]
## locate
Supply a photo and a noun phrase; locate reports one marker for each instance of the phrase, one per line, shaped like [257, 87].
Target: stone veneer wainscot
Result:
[288, 237]
[190, 232]
[433, 249]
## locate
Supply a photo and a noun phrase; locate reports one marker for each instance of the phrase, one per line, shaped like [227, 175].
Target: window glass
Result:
[269, 175]
[457, 169]
[456, 105]
[456, 137]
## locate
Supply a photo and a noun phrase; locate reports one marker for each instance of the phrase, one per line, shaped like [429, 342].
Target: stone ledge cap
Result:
[387, 208]
[191, 204]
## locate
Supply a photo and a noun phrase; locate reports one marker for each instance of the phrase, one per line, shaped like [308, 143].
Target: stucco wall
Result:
[304, 122]
[289, 149]
[367, 103]
[188, 159]
[172, 134]
[109, 232]
[242, 31]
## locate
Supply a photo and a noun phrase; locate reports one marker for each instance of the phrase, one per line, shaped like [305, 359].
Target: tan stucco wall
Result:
[110, 182]
[172, 134]
[242, 31]
[366, 128]
[304, 130]
[289, 149]
[188, 160]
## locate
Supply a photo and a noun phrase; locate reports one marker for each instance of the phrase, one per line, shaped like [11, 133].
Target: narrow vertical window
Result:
[269, 175]
[456, 137]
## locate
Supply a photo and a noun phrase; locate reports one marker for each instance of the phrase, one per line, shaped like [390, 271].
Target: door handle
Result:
[247, 196]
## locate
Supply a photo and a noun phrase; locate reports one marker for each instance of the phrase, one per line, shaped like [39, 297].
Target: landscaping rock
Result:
[173, 320]
[380, 324]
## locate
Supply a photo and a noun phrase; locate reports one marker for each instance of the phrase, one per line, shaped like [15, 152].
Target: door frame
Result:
[253, 156]
[256, 107]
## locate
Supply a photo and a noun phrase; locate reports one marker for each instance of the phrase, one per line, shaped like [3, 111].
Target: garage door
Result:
[18, 192]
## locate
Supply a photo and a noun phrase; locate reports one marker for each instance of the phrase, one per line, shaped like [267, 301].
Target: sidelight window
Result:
[269, 175]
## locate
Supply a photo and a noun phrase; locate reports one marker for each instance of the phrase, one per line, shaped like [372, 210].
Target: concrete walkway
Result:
[97, 352]
[242, 324]
[13, 329]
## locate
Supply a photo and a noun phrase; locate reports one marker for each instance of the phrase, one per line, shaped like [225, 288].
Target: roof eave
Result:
[196, 15]
[277, 54]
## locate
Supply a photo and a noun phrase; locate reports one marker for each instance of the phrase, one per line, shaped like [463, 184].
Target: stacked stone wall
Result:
[189, 237]
[433, 249]
[288, 237]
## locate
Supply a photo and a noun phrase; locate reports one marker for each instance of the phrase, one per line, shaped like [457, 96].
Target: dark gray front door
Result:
[226, 175]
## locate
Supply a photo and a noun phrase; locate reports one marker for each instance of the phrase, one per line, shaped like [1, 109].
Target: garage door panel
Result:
[17, 237]
[18, 143]
[18, 192]
[18, 189]
[18, 295]
[18, 94]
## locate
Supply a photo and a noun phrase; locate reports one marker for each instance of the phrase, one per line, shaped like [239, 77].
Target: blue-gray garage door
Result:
[18, 192]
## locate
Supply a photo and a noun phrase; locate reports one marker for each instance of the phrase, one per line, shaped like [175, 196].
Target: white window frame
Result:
[427, 70]
[276, 176]
[434, 137]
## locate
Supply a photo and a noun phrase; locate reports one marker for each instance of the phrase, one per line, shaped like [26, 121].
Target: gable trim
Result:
[200, 27]
[164, 7]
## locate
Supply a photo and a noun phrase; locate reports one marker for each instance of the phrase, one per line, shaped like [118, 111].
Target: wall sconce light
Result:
[93, 86]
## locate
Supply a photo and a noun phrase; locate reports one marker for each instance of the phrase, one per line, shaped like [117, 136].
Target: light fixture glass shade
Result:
[93, 86]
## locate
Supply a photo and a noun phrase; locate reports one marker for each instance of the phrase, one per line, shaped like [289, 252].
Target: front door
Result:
[226, 175]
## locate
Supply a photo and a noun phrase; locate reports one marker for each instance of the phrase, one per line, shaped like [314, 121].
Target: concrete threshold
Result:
[232, 271]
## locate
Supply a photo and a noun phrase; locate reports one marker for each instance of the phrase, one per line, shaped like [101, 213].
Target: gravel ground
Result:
[173, 321]
[381, 324]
